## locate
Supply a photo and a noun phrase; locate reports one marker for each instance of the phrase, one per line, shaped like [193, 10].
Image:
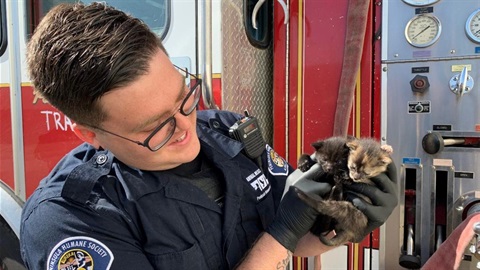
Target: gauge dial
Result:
[420, 3]
[472, 26]
[423, 30]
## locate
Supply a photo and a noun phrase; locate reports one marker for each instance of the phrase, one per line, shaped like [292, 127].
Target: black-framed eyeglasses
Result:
[164, 132]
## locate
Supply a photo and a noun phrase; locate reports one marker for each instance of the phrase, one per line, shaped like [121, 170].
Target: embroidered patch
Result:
[259, 182]
[80, 253]
[276, 164]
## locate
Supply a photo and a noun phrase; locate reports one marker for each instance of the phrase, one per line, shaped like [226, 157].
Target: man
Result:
[157, 185]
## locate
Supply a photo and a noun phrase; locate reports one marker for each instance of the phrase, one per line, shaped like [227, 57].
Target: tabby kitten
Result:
[344, 160]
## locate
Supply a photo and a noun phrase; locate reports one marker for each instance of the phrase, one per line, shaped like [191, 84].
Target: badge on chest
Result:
[259, 182]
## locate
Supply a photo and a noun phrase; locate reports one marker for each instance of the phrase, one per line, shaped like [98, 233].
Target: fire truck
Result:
[400, 71]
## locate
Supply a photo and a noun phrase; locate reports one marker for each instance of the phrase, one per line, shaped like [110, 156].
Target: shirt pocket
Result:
[190, 258]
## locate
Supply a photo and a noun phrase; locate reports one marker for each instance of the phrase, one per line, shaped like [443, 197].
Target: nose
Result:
[327, 167]
[183, 122]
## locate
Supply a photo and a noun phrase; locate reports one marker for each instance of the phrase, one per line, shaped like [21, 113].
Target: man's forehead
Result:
[148, 98]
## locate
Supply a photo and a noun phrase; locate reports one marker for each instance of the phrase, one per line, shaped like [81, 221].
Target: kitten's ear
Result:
[350, 138]
[352, 145]
[318, 144]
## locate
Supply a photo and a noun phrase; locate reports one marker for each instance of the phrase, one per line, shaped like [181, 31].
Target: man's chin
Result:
[194, 150]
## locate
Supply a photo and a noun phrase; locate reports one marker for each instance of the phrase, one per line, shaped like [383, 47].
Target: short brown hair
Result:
[80, 52]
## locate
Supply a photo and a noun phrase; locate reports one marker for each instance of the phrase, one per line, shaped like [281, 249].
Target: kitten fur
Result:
[344, 160]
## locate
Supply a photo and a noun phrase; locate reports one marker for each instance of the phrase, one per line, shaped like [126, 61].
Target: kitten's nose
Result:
[328, 168]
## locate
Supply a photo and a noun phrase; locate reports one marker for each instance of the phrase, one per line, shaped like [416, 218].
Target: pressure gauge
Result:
[420, 3]
[472, 26]
[423, 30]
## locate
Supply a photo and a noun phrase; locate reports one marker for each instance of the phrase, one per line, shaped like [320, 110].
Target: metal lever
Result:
[433, 142]
[409, 259]
[410, 240]
[475, 243]
[476, 229]
[461, 83]
[475, 246]
[257, 7]
[260, 3]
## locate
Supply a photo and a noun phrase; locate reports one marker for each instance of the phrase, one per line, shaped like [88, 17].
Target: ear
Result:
[352, 145]
[317, 145]
[86, 134]
[350, 138]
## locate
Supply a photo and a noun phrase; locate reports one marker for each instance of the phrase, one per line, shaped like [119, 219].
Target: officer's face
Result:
[134, 111]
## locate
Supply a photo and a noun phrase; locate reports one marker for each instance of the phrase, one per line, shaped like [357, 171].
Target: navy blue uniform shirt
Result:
[94, 212]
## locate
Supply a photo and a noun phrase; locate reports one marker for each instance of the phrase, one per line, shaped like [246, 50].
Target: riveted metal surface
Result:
[247, 75]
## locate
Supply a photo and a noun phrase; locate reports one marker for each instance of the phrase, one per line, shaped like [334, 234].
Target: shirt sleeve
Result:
[277, 169]
[56, 234]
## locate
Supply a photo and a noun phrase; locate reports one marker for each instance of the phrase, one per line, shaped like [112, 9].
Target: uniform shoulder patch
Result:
[276, 164]
[80, 253]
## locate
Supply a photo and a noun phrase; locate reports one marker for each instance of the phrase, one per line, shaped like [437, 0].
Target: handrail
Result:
[16, 101]
[206, 52]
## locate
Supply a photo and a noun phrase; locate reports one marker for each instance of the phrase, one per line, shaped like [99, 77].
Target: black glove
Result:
[294, 217]
[383, 198]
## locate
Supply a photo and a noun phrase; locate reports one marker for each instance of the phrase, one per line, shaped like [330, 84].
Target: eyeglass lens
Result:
[165, 132]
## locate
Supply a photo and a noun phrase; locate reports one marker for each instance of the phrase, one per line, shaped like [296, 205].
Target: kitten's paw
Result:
[387, 148]
[332, 239]
[305, 163]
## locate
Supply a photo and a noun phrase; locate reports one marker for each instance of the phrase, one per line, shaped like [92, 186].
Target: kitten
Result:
[344, 160]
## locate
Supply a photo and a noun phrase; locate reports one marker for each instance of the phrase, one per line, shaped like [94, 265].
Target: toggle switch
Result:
[419, 84]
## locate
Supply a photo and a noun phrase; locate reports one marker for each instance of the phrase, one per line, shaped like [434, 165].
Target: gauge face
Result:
[423, 30]
[420, 3]
[472, 26]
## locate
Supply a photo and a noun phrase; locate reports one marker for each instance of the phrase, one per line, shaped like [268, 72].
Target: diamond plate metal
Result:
[247, 75]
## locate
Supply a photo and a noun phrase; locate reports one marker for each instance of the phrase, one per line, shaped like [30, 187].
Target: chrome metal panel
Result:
[247, 72]
[405, 131]
[450, 115]
[452, 43]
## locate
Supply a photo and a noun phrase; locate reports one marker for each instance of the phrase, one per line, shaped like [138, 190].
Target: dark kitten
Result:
[332, 155]
[344, 159]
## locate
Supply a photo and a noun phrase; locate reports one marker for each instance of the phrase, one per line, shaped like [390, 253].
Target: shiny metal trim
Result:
[16, 100]
[434, 39]
[11, 208]
[205, 39]
[468, 29]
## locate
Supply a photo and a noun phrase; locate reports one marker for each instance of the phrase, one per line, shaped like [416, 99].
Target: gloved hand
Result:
[294, 217]
[383, 198]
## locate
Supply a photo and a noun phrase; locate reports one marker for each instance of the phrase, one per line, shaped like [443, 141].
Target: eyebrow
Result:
[155, 118]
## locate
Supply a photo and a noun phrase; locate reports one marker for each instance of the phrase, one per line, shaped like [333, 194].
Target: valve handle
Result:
[461, 83]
